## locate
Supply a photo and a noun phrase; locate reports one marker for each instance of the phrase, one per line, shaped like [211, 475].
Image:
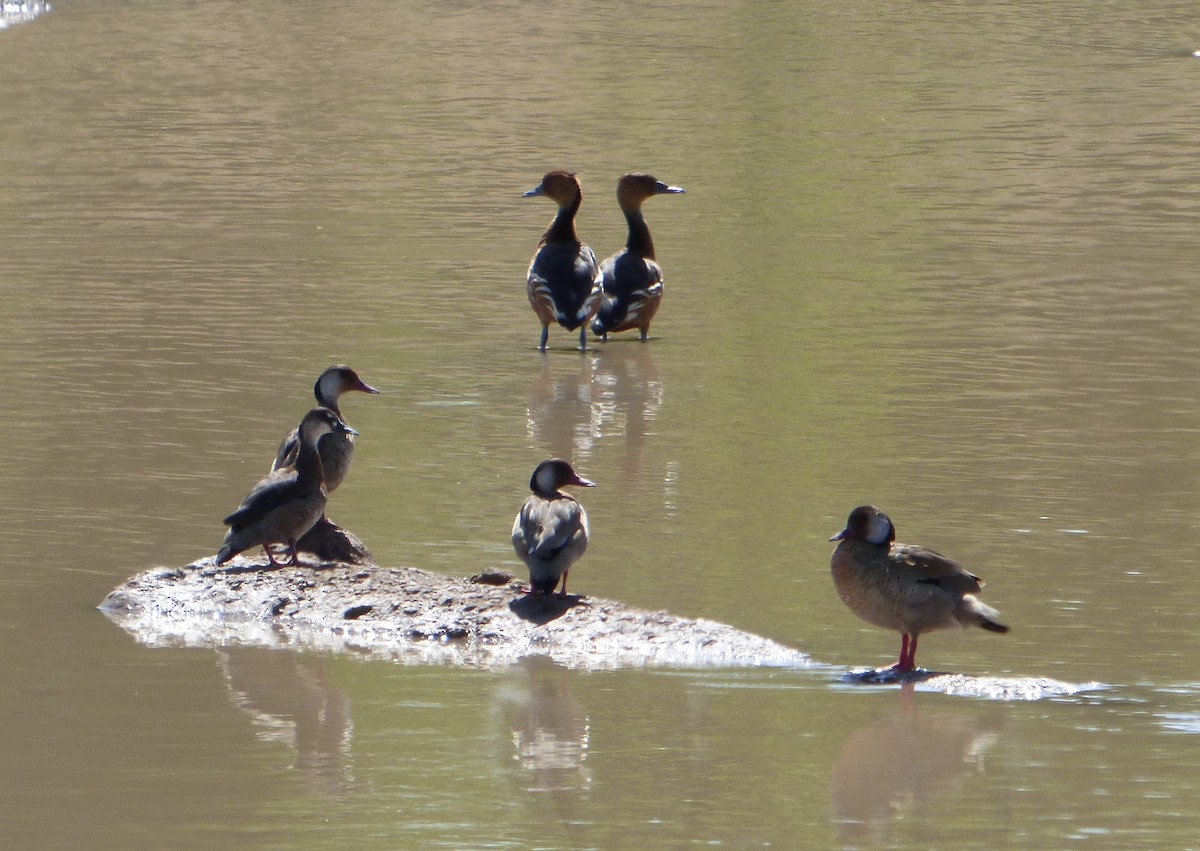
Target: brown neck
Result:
[639, 241]
[562, 229]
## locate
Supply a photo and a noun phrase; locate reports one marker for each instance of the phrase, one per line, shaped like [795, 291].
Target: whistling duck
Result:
[337, 449]
[564, 279]
[632, 280]
[902, 587]
[551, 530]
[290, 500]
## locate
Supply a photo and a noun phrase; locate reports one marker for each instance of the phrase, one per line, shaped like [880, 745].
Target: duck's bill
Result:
[534, 192]
[582, 482]
[840, 536]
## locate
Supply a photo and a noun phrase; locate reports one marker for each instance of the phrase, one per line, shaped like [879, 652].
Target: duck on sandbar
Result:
[337, 448]
[551, 530]
[290, 500]
[632, 280]
[563, 283]
[902, 587]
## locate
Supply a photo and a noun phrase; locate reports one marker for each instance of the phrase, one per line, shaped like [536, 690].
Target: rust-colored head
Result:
[635, 187]
[562, 187]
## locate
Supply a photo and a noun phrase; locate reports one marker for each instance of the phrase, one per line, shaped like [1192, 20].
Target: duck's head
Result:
[636, 187]
[867, 523]
[319, 422]
[561, 187]
[335, 381]
[555, 473]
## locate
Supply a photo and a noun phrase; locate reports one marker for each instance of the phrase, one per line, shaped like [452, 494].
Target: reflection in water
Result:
[612, 391]
[628, 396]
[560, 416]
[294, 703]
[549, 730]
[902, 760]
[20, 12]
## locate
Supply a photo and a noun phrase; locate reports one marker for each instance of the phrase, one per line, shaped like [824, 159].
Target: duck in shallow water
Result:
[564, 279]
[903, 587]
[632, 280]
[290, 500]
[551, 530]
[337, 448]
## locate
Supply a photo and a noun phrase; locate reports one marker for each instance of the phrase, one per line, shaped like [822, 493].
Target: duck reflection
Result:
[560, 416]
[20, 11]
[629, 394]
[292, 701]
[616, 392]
[901, 761]
[549, 730]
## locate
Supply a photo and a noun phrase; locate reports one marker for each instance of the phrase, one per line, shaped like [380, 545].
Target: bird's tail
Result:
[976, 613]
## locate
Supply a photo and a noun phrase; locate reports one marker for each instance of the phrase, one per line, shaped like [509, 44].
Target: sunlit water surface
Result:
[940, 257]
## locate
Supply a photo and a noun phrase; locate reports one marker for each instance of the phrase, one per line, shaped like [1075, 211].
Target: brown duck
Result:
[289, 501]
[906, 588]
[337, 449]
[563, 282]
[632, 279]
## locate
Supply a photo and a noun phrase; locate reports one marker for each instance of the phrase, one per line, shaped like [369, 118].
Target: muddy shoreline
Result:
[486, 620]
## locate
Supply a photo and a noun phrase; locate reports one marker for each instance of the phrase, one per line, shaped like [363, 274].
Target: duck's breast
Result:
[337, 451]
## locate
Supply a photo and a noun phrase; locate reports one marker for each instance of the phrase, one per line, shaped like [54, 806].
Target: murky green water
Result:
[940, 257]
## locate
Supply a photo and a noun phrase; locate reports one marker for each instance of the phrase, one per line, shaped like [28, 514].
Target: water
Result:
[936, 257]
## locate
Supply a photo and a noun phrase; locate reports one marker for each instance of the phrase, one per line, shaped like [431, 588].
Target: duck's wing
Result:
[523, 530]
[546, 526]
[277, 489]
[567, 278]
[627, 274]
[922, 564]
[289, 448]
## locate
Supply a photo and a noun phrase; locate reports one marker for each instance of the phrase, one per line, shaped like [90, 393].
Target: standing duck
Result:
[551, 530]
[337, 449]
[564, 279]
[632, 280]
[290, 500]
[902, 587]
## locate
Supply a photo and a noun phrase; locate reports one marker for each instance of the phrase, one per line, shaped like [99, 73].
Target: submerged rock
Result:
[418, 616]
[990, 687]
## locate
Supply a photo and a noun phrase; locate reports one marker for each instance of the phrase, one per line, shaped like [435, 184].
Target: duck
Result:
[290, 500]
[903, 587]
[631, 279]
[337, 448]
[563, 283]
[551, 531]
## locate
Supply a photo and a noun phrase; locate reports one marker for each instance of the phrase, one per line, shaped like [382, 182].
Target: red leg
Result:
[908, 654]
[563, 592]
[270, 555]
[295, 562]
